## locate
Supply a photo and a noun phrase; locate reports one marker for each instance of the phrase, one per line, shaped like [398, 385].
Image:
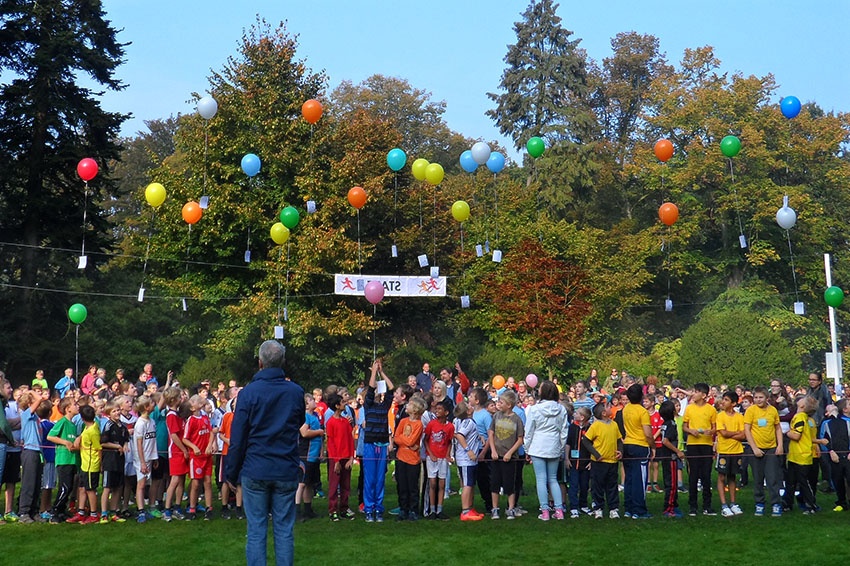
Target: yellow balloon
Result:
[418, 169]
[460, 211]
[279, 233]
[434, 174]
[155, 194]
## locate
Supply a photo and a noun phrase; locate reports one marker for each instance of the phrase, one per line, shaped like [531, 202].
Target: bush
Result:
[734, 346]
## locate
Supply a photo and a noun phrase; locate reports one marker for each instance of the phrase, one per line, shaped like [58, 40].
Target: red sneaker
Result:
[89, 519]
[469, 516]
[77, 518]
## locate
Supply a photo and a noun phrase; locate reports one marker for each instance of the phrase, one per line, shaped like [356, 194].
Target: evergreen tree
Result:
[48, 122]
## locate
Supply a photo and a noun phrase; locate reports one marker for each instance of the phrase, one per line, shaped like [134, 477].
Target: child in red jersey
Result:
[439, 434]
[197, 437]
[340, 458]
[178, 454]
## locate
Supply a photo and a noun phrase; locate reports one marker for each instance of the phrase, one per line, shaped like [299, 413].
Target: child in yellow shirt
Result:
[730, 450]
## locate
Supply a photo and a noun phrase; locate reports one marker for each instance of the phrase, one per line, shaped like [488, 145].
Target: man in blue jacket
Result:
[263, 455]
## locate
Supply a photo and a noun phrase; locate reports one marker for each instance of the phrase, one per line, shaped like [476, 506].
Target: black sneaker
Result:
[402, 516]
[709, 512]
[208, 515]
[191, 516]
[441, 516]
[432, 516]
[240, 514]
[225, 513]
[692, 512]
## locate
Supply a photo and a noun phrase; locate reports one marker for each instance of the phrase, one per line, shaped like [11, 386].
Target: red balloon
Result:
[87, 169]
[311, 110]
[663, 150]
[192, 212]
[357, 197]
[668, 213]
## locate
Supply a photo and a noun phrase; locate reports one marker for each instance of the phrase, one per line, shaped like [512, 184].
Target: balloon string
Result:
[374, 338]
[286, 288]
[434, 229]
[77, 350]
[737, 202]
[359, 261]
[462, 259]
[148, 247]
[206, 142]
[793, 269]
[395, 205]
[85, 210]
[496, 212]
[279, 285]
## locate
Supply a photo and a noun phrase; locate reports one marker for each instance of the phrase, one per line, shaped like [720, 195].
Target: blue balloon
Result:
[467, 163]
[396, 159]
[250, 164]
[790, 106]
[496, 162]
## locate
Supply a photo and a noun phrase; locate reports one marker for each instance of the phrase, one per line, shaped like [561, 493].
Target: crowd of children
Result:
[587, 444]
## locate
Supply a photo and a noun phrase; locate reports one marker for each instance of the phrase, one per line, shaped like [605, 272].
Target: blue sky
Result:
[455, 49]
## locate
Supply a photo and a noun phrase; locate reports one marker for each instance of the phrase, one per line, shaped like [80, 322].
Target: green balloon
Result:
[833, 296]
[535, 146]
[77, 313]
[730, 146]
[289, 217]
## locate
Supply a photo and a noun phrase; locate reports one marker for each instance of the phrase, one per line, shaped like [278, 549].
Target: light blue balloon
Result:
[496, 162]
[250, 164]
[396, 159]
[467, 162]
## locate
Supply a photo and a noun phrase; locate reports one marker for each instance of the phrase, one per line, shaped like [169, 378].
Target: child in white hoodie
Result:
[545, 438]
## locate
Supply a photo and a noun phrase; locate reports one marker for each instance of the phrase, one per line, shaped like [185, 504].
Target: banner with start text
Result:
[394, 285]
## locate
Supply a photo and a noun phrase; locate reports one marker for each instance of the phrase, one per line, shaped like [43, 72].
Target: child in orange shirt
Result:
[407, 438]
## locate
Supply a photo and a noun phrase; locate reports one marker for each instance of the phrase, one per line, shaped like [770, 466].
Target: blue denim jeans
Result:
[259, 498]
[546, 476]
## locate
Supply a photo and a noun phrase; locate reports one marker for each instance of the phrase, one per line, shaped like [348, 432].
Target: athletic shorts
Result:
[90, 480]
[728, 464]
[503, 476]
[12, 471]
[113, 480]
[139, 475]
[48, 475]
[438, 469]
[312, 473]
[178, 465]
[200, 466]
[161, 469]
[468, 475]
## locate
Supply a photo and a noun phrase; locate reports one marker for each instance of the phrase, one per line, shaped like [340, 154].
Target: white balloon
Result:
[786, 217]
[480, 153]
[207, 107]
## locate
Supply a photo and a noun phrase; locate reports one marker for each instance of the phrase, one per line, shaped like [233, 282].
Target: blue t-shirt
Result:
[520, 412]
[48, 449]
[30, 431]
[483, 419]
[315, 450]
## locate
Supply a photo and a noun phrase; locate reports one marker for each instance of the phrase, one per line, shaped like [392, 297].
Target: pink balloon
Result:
[531, 380]
[374, 292]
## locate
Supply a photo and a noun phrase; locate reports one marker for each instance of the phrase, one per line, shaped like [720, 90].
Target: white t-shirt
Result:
[146, 430]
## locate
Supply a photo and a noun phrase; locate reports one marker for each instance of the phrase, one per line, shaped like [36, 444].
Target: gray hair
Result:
[272, 354]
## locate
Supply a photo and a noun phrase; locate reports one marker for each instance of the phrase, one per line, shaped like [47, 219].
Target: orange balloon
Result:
[668, 213]
[498, 381]
[311, 110]
[357, 197]
[663, 150]
[192, 212]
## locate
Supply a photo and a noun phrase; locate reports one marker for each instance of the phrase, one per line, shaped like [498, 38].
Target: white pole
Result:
[833, 333]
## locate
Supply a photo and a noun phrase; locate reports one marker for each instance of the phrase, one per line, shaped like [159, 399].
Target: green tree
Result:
[48, 122]
[735, 346]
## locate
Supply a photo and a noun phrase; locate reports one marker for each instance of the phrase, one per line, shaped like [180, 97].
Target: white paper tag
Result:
[204, 203]
[800, 308]
[247, 256]
[668, 305]
[311, 206]
[464, 301]
[141, 297]
[479, 250]
[743, 241]
[423, 260]
[487, 246]
[394, 250]
[435, 271]
[185, 304]
[380, 387]
[84, 261]
[285, 314]
[497, 256]
[278, 333]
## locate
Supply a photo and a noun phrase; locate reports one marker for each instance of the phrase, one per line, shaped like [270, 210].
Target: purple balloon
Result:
[374, 292]
[531, 380]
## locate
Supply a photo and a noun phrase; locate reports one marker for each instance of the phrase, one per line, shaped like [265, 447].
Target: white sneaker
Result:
[586, 510]
[494, 514]
[511, 514]
[613, 514]
[727, 511]
[736, 509]
[620, 487]
[597, 514]
[574, 514]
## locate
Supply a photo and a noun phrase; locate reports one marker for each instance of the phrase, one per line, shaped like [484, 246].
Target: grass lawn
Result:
[692, 540]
